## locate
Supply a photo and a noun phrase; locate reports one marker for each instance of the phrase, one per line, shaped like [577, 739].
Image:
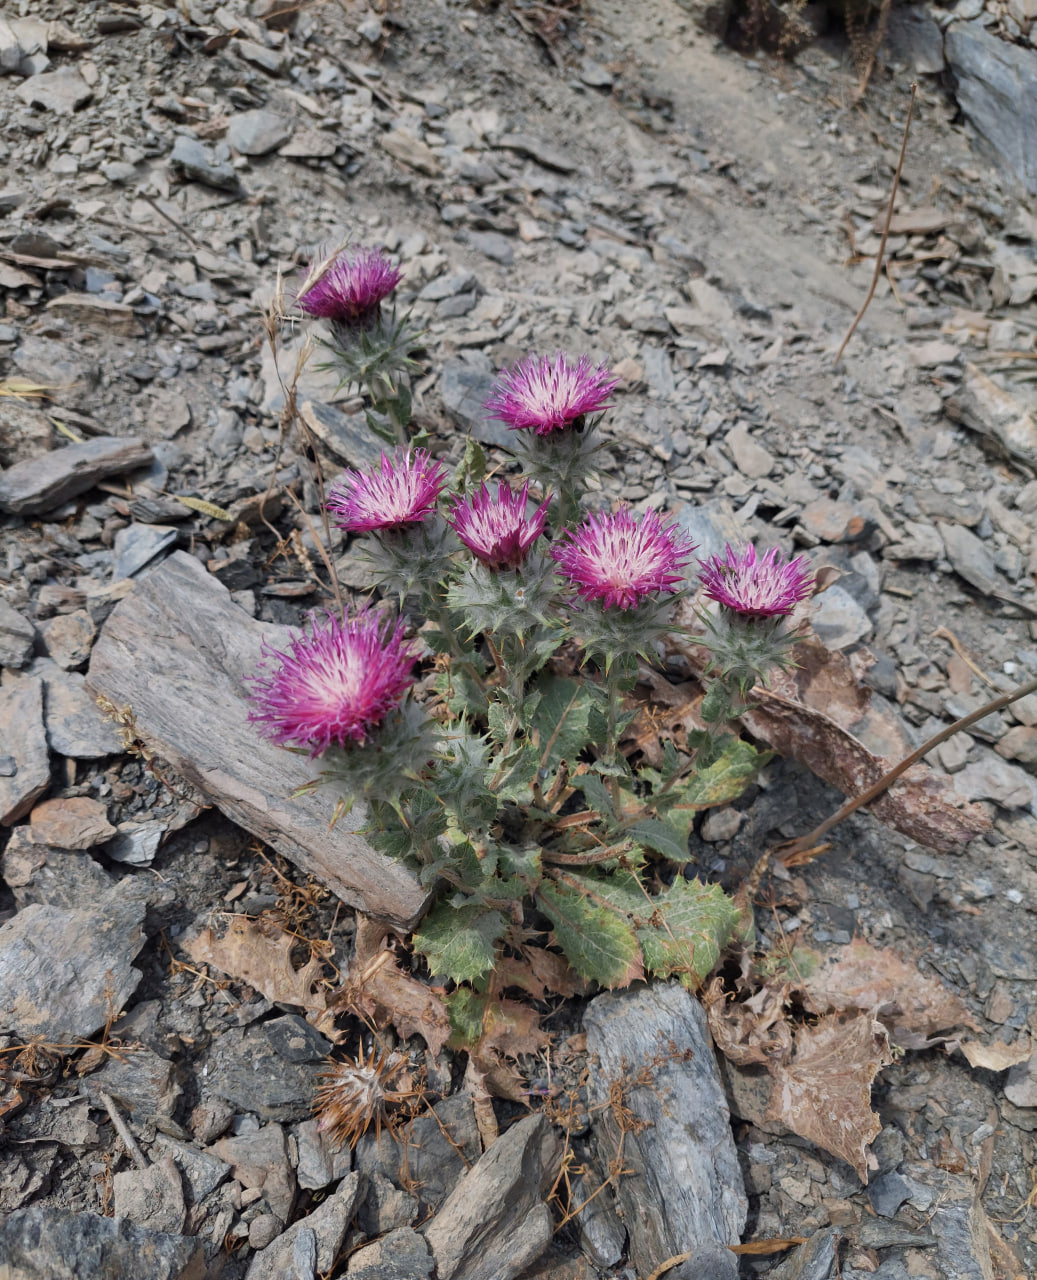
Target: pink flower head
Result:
[497, 531]
[756, 588]
[621, 561]
[404, 490]
[350, 287]
[335, 683]
[550, 393]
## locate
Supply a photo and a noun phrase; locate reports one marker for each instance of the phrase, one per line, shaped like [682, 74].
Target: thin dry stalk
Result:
[880, 256]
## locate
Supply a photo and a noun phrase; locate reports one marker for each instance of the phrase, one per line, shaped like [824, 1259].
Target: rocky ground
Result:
[613, 180]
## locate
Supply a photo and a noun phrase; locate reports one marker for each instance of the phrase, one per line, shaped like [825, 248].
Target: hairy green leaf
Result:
[726, 778]
[687, 927]
[559, 724]
[460, 944]
[667, 836]
[598, 942]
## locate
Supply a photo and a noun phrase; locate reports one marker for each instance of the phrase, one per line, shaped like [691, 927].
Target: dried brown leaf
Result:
[540, 973]
[997, 1056]
[749, 1031]
[913, 1006]
[382, 992]
[259, 953]
[824, 1093]
[818, 713]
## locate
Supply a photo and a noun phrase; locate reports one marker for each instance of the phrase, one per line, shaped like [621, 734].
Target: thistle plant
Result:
[505, 785]
[369, 348]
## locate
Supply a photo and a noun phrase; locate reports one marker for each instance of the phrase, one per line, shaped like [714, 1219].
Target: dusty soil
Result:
[695, 218]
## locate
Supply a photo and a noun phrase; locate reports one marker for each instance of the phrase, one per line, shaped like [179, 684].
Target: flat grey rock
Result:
[447, 286]
[400, 1255]
[684, 1191]
[346, 436]
[62, 972]
[25, 432]
[712, 526]
[996, 87]
[41, 484]
[320, 1160]
[75, 726]
[201, 1173]
[38, 873]
[494, 1224]
[493, 245]
[153, 1198]
[62, 91]
[991, 778]
[17, 636]
[255, 133]
[971, 558]
[24, 739]
[327, 1224]
[259, 1161]
[193, 160]
[44, 1243]
[465, 390]
[139, 545]
[838, 620]
[550, 157]
[261, 1070]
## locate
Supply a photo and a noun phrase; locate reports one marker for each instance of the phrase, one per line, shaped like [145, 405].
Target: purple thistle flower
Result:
[404, 491]
[621, 561]
[756, 588]
[497, 531]
[335, 683]
[550, 393]
[350, 288]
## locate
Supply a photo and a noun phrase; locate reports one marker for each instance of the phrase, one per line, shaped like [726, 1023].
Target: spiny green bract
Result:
[514, 602]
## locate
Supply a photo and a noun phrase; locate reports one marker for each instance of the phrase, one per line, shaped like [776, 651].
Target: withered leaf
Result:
[997, 1056]
[913, 1006]
[824, 1092]
[818, 713]
[540, 972]
[749, 1031]
[259, 952]
[382, 992]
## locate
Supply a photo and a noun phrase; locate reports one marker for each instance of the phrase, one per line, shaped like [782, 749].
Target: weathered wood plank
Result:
[175, 651]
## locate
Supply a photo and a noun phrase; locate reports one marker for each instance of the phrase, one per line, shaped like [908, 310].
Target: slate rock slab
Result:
[255, 133]
[43, 1243]
[494, 1224]
[431, 1158]
[996, 86]
[75, 726]
[328, 1224]
[17, 635]
[58, 968]
[62, 91]
[400, 1255]
[193, 160]
[176, 651]
[465, 390]
[40, 484]
[24, 740]
[685, 1191]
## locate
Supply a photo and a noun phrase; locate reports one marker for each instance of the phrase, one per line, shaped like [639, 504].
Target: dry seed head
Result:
[357, 1092]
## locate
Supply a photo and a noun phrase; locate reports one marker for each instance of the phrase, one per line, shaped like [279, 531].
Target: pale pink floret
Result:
[403, 490]
[622, 561]
[764, 588]
[497, 530]
[335, 683]
[351, 289]
[549, 393]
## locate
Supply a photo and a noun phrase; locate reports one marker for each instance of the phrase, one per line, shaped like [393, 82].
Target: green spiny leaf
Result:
[665, 835]
[560, 722]
[460, 944]
[465, 1009]
[597, 941]
[688, 926]
[726, 778]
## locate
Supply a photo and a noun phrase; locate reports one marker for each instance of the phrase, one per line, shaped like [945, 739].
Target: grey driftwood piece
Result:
[176, 652]
[41, 484]
[685, 1193]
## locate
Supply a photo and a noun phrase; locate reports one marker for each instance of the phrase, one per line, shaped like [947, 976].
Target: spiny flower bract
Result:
[765, 588]
[497, 530]
[403, 490]
[350, 288]
[620, 560]
[549, 393]
[335, 683]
